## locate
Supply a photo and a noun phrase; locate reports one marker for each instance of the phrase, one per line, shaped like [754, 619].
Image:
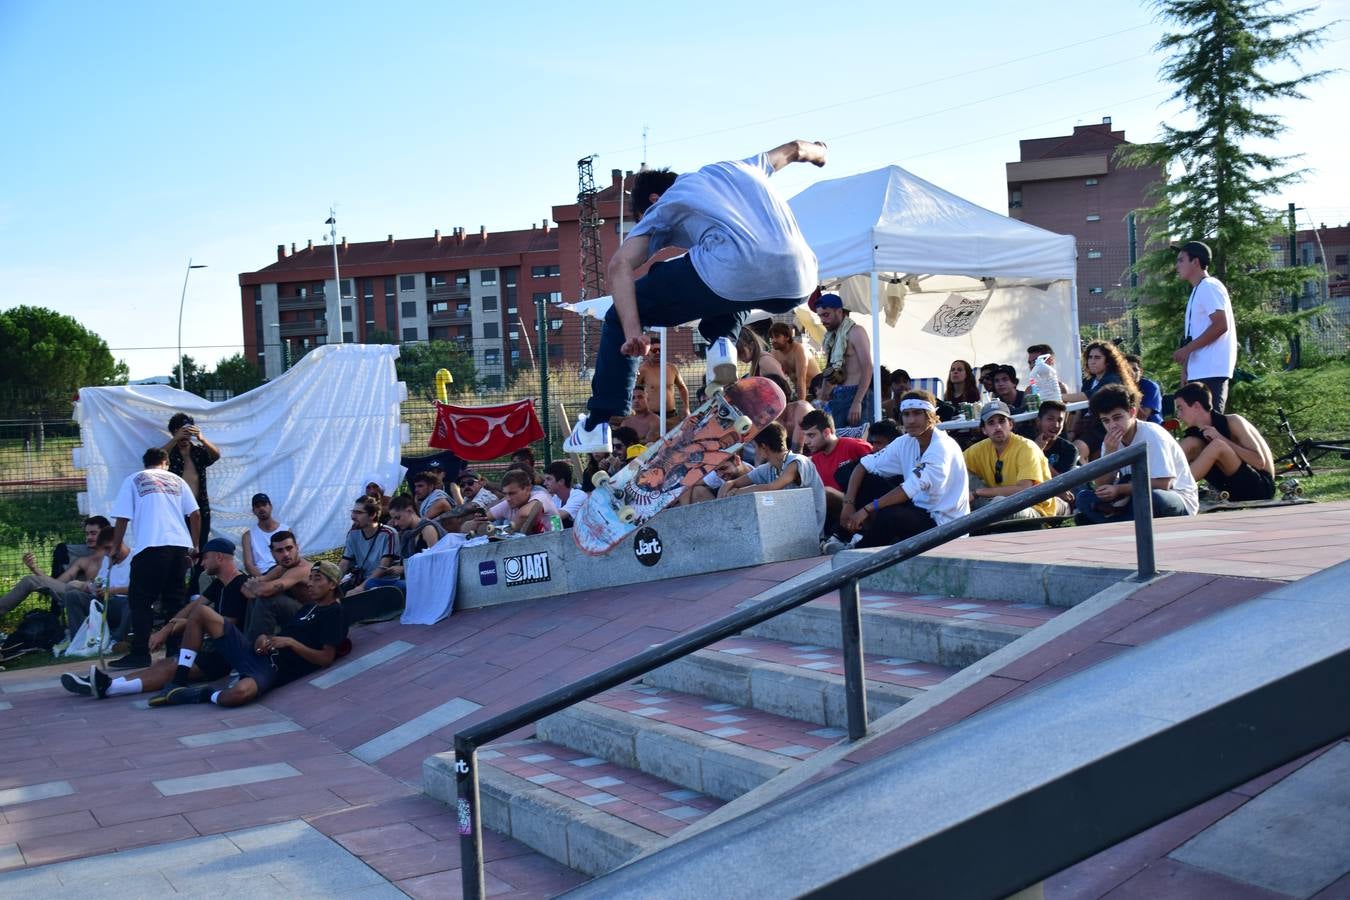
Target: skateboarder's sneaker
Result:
[98, 682]
[76, 684]
[581, 441]
[722, 362]
[131, 661]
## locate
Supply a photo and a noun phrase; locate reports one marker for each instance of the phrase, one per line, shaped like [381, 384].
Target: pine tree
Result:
[1219, 57]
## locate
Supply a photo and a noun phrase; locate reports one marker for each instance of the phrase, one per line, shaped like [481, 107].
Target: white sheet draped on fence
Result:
[310, 439]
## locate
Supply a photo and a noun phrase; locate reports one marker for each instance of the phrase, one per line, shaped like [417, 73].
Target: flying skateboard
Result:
[623, 503]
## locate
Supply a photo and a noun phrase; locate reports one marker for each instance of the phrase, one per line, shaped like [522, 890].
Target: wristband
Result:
[876, 505]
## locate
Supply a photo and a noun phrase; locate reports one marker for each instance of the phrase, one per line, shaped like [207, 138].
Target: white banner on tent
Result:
[957, 315]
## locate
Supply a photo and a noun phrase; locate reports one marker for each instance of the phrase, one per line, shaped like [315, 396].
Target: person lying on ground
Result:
[1004, 464]
[1225, 450]
[779, 469]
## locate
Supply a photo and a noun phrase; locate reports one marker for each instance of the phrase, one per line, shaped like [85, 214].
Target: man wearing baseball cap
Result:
[847, 388]
[1005, 463]
[1208, 351]
[257, 538]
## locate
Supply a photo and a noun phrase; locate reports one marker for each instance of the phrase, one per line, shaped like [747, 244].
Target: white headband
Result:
[912, 403]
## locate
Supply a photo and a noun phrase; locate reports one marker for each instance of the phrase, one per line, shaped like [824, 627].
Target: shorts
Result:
[212, 665]
[238, 653]
[1245, 483]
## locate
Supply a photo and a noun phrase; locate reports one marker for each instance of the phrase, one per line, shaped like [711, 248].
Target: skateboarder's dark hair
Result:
[818, 419]
[1040, 350]
[429, 478]
[561, 470]
[1112, 397]
[1197, 392]
[772, 437]
[153, 457]
[886, 429]
[648, 182]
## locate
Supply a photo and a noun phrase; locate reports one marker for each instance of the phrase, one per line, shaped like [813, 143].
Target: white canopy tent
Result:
[955, 280]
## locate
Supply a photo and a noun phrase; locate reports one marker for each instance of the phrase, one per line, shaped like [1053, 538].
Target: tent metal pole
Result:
[662, 331]
[876, 351]
[1076, 336]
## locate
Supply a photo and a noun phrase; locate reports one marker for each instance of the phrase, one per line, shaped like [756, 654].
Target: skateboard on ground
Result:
[623, 503]
[375, 605]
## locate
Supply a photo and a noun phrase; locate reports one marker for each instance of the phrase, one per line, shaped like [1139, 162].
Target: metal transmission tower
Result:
[592, 257]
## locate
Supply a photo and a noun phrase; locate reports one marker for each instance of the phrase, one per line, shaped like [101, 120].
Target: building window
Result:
[1015, 200]
[492, 357]
[555, 349]
[407, 283]
[550, 296]
[1341, 259]
[490, 330]
[410, 334]
[1091, 182]
[409, 309]
[1093, 217]
[348, 337]
[544, 271]
[555, 324]
[462, 309]
[493, 381]
[347, 288]
[487, 277]
[1094, 254]
[461, 282]
[511, 310]
[1096, 290]
[489, 304]
[346, 313]
[389, 285]
[436, 281]
[509, 277]
[439, 308]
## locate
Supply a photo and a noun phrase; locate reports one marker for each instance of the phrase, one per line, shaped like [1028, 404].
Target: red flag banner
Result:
[485, 432]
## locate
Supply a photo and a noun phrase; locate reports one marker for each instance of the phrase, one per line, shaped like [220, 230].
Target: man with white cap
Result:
[1005, 463]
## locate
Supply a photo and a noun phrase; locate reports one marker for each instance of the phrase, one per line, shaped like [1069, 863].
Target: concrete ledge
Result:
[993, 579]
[745, 530]
[783, 690]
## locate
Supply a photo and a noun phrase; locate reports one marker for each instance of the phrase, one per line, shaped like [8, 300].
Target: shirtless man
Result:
[729, 469]
[189, 461]
[646, 423]
[276, 595]
[1225, 450]
[799, 367]
[649, 373]
[849, 400]
[791, 416]
[74, 578]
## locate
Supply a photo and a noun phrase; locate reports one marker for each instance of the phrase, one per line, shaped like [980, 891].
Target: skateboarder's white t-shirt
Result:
[807, 475]
[1166, 459]
[741, 235]
[157, 502]
[935, 479]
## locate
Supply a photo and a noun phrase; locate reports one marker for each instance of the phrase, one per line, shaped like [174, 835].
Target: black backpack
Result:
[39, 630]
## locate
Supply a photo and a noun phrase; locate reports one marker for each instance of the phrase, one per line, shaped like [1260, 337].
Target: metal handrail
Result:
[845, 579]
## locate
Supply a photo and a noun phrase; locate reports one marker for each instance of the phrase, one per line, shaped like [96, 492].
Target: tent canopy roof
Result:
[889, 220]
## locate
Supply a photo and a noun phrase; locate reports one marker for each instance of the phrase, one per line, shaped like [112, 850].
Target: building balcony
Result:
[303, 329]
[448, 292]
[312, 301]
[450, 317]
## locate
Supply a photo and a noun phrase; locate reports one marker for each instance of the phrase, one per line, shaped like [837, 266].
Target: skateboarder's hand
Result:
[635, 346]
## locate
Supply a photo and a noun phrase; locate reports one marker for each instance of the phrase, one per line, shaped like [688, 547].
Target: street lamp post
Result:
[335, 336]
[181, 300]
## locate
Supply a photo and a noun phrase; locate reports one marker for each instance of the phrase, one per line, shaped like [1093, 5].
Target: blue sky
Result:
[143, 134]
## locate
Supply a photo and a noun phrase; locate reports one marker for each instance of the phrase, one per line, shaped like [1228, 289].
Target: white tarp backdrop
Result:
[310, 439]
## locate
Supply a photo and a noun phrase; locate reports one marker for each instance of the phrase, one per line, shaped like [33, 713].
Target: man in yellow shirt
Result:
[1005, 463]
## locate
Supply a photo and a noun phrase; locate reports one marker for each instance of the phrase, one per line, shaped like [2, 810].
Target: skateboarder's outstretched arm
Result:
[797, 151]
[632, 253]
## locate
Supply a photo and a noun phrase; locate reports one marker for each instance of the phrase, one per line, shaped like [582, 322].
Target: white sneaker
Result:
[722, 362]
[581, 441]
[832, 545]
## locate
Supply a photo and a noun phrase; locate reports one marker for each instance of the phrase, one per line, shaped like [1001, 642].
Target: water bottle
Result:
[1046, 379]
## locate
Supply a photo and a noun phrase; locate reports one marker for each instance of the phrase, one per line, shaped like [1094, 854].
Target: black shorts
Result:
[238, 653]
[211, 664]
[1245, 483]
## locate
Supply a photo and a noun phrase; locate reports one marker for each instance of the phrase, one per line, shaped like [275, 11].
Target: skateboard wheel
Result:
[715, 391]
[627, 515]
[600, 479]
[1223, 496]
[742, 425]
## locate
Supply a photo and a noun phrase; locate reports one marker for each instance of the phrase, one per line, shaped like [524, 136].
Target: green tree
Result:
[236, 374]
[380, 336]
[194, 376]
[418, 363]
[48, 357]
[1219, 58]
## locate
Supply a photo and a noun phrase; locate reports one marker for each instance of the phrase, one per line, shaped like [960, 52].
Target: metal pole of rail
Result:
[469, 820]
[1141, 498]
[855, 689]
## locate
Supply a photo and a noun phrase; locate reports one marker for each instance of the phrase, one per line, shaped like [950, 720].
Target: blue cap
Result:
[219, 545]
[830, 301]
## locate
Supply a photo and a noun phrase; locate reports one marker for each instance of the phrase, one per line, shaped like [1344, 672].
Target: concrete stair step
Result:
[587, 813]
[930, 628]
[716, 748]
[800, 681]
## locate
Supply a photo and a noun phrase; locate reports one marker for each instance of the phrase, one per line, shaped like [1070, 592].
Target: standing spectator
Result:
[165, 528]
[371, 548]
[1005, 463]
[431, 500]
[558, 482]
[750, 349]
[847, 385]
[1208, 351]
[649, 374]
[962, 387]
[779, 469]
[1173, 487]
[917, 482]
[643, 421]
[1005, 389]
[1150, 392]
[257, 539]
[799, 367]
[1225, 450]
[190, 454]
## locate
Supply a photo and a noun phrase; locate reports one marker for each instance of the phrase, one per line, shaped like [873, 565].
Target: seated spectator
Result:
[896, 385]
[622, 438]
[880, 434]
[645, 423]
[1225, 450]
[1035, 352]
[1173, 486]
[224, 595]
[306, 643]
[779, 469]
[829, 452]
[257, 539]
[595, 464]
[75, 577]
[524, 459]
[475, 489]
[1005, 463]
[962, 387]
[274, 596]
[1150, 393]
[987, 373]
[729, 469]
[750, 349]
[1046, 431]
[431, 500]
[1005, 389]
[799, 367]
[526, 507]
[917, 482]
[375, 491]
[370, 549]
[415, 534]
[558, 482]
[114, 578]
[793, 412]
[1104, 366]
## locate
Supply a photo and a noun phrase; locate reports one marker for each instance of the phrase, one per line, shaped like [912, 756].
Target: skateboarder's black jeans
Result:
[670, 294]
[157, 573]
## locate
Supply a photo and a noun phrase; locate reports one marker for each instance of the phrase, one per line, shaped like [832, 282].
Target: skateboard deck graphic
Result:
[651, 482]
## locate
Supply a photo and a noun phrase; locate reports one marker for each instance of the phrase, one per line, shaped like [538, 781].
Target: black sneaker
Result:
[76, 684]
[131, 661]
[98, 682]
[178, 695]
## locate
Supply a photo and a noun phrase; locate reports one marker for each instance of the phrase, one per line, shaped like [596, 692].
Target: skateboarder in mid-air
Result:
[745, 253]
